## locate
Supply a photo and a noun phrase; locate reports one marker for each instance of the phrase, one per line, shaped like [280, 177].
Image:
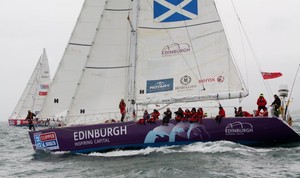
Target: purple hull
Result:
[259, 131]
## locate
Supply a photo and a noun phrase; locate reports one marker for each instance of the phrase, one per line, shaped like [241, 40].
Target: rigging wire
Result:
[231, 53]
[192, 46]
[287, 105]
[252, 49]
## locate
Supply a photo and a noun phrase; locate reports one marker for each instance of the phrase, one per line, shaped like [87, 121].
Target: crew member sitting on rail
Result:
[154, 116]
[187, 115]
[220, 115]
[179, 115]
[200, 115]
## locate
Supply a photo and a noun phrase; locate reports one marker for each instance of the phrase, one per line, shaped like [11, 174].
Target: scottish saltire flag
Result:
[175, 10]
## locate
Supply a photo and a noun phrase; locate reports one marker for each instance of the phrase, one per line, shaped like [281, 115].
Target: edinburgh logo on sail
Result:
[238, 128]
[175, 49]
[154, 86]
[175, 10]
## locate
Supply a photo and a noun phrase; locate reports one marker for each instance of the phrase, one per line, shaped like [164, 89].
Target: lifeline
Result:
[100, 133]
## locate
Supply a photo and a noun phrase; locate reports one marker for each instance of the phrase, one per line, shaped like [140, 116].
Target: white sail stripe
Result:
[173, 9]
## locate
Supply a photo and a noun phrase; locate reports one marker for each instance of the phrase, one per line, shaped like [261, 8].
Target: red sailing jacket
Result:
[122, 107]
[261, 101]
[222, 113]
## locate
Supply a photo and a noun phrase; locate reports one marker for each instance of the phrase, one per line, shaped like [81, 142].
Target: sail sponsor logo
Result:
[238, 128]
[174, 10]
[98, 136]
[175, 49]
[46, 141]
[185, 81]
[44, 86]
[218, 79]
[154, 86]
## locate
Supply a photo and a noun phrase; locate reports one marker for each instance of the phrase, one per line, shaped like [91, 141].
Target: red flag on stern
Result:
[271, 75]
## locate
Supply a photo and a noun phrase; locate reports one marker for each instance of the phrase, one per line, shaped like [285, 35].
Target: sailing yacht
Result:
[34, 94]
[149, 53]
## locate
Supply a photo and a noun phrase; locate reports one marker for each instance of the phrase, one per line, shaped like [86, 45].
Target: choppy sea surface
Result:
[212, 159]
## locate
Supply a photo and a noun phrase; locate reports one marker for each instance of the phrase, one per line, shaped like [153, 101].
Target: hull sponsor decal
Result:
[238, 128]
[97, 136]
[46, 141]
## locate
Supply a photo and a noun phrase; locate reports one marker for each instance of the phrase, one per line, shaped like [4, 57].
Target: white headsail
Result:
[70, 68]
[104, 80]
[34, 94]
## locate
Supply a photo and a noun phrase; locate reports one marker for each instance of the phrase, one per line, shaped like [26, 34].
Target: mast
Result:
[132, 58]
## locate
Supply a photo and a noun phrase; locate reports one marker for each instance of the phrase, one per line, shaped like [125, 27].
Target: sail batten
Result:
[80, 44]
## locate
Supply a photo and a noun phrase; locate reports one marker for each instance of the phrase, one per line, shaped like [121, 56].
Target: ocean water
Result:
[212, 159]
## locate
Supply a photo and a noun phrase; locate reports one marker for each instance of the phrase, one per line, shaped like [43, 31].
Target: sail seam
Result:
[117, 9]
[78, 44]
[205, 23]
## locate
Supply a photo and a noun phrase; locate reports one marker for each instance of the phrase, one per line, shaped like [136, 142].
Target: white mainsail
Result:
[183, 54]
[35, 92]
[70, 68]
[155, 51]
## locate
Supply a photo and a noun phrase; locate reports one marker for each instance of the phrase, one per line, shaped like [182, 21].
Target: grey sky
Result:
[27, 27]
